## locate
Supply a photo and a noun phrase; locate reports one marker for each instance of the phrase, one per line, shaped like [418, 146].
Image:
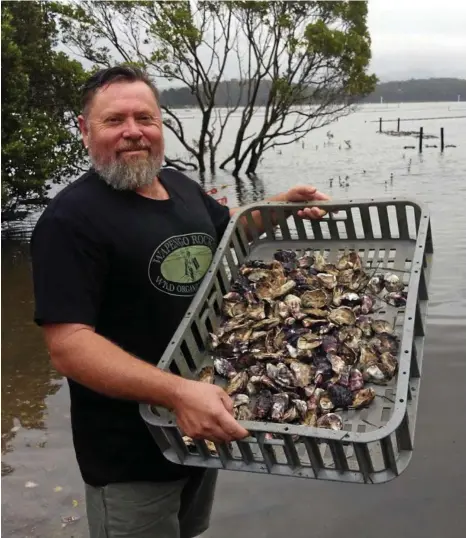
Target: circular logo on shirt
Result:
[178, 265]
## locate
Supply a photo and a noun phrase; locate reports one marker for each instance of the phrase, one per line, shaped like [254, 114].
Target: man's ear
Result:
[84, 130]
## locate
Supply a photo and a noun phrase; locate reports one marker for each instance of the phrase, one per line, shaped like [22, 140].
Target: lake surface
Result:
[428, 499]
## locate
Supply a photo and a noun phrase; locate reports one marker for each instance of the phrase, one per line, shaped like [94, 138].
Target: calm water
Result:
[36, 442]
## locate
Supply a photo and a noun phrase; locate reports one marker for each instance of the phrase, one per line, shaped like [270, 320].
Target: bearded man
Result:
[117, 257]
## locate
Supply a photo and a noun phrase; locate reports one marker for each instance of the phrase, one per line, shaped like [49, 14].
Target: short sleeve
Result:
[69, 266]
[220, 214]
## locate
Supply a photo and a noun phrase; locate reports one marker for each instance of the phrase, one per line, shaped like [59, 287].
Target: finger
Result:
[227, 402]
[232, 428]
[301, 193]
[320, 196]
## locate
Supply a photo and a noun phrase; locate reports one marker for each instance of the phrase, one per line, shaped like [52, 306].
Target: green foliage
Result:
[39, 105]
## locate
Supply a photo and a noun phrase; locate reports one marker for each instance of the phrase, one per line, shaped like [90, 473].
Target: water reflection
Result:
[27, 375]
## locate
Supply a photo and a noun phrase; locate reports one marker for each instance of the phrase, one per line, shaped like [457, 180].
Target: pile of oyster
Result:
[300, 338]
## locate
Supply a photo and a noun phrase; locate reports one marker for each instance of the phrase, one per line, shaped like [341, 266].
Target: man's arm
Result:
[300, 193]
[202, 410]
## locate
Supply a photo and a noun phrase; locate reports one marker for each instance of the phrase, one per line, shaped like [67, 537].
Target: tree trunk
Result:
[212, 158]
[253, 162]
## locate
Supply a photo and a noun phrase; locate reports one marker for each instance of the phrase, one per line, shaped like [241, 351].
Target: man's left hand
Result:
[307, 193]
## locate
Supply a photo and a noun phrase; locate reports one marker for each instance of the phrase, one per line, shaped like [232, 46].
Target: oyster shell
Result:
[375, 285]
[291, 415]
[393, 283]
[263, 405]
[341, 397]
[363, 398]
[342, 316]
[356, 381]
[314, 299]
[224, 368]
[237, 383]
[381, 326]
[328, 280]
[302, 373]
[330, 421]
[240, 399]
[243, 412]
[388, 364]
[325, 403]
[280, 404]
[207, 374]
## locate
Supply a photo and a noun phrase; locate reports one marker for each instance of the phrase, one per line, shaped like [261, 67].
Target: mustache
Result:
[133, 147]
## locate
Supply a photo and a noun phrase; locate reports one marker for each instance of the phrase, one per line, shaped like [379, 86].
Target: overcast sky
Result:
[414, 38]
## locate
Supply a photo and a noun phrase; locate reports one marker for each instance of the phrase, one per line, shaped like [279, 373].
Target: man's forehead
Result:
[124, 95]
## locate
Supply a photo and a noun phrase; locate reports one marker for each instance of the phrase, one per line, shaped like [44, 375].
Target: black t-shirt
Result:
[129, 266]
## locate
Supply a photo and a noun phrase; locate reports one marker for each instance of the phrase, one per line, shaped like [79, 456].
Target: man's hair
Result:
[118, 73]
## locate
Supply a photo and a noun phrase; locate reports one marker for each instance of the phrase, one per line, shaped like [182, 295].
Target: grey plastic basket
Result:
[376, 443]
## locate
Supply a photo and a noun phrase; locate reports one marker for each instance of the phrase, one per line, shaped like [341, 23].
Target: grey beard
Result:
[132, 175]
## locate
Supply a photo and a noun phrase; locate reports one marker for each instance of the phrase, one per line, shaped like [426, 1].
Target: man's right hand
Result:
[205, 411]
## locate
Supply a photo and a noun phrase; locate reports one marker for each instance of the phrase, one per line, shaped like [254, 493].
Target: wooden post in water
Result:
[442, 140]
[380, 125]
[421, 134]
[398, 128]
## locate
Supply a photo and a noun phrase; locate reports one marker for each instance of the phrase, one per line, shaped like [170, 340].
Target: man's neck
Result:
[155, 190]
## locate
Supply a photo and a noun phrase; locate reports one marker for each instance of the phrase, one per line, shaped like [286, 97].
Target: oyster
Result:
[285, 256]
[341, 397]
[256, 369]
[323, 371]
[284, 377]
[233, 309]
[279, 406]
[342, 316]
[305, 261]
[263, 405]
[374, 374]
[329, 344]
[327, 280]
[243, 412]
[367, 304]
[388, 364]
[380, 326]
[396, 299]
[301, 408]
[291, 415]
[325, 403]
[224, 368]
[283, 310]
[207, 374]
[256, 311]
[302, 373]
[314, 299]
[293, 303]
[319, 262]
[330, 421]
[251, 389]
[240, 399]
[237, 383]
[363, 398]
[359, 281]
[310, 418]
[318, 313]
[264, 381]
[345, 277]
[365, 324]
[356, 381]
[339, 366]
[375, 285]
[350, 299]
[393, 283]
[308, 342]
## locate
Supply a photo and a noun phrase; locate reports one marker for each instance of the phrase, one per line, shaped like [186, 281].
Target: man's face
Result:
[123, 132]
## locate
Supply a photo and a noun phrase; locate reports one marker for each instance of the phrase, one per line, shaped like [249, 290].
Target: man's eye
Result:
[113, 120]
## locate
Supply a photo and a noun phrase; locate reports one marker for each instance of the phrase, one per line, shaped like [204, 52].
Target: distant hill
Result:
[419, 90]
[405, 91]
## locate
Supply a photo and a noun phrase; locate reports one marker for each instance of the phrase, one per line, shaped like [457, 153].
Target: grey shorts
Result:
[179, 509]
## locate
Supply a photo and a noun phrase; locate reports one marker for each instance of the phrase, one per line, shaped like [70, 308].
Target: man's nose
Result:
[131, 130]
